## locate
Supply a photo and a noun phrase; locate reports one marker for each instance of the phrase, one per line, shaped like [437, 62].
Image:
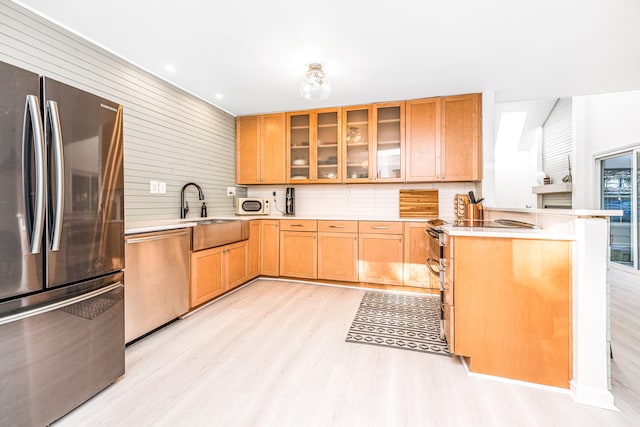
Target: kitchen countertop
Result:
[507, 233]
[570, 212]
[137, 227]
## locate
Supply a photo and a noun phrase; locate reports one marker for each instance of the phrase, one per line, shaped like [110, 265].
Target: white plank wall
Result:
[557, 145]
[170, 135]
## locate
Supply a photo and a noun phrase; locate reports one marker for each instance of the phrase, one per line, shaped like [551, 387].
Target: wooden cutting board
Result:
[418, 203]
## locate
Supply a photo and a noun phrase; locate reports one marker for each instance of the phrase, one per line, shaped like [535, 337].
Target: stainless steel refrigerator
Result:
[61, 247]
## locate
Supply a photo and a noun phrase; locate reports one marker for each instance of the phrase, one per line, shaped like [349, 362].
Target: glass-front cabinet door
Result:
[313, 141]
[327, 141]
[299, 153]
[388, 136]
[356, 132]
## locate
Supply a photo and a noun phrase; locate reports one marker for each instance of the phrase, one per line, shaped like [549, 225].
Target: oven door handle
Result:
[430, 262]
[432, 234]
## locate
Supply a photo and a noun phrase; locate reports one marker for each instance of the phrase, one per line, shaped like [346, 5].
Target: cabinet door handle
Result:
[336, 226]
[380, 227]
[297, 225]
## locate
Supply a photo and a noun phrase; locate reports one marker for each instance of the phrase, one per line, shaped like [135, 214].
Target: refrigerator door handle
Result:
[58, 153]
[33, 122]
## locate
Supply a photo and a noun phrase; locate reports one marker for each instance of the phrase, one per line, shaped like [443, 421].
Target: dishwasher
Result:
[157, 280]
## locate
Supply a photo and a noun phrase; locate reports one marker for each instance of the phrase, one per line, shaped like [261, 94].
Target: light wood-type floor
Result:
[273, 354]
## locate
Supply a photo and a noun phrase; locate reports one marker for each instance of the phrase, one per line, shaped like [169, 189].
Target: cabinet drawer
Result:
[338, 226]
[298, 225]
[380, 227]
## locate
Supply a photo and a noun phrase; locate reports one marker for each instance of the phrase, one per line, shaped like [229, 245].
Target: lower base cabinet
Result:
[513, 308]
[298, 254]
[338, 250]
[380, 249]
[254, 249]
[217, 270]
[270, 247]
[416, 252]
[299, 248]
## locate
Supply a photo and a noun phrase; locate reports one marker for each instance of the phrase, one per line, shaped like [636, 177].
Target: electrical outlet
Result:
[231, 191]
[444, 191]
[162, 187]
[153, 187]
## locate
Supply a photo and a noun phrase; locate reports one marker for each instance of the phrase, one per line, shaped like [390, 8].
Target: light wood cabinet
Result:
[422, 140]
[380, 251]
[298, 248]
[236, 264]
[217, 270]
[357, 149]
[513, 308]
[388, 141]
[270, 247]
[338, 250]
[444, 139]
[313, 146]
[207, 275]
[416, 252]
[260, 149]
[461, 147]
[254, 249]
[422, 149]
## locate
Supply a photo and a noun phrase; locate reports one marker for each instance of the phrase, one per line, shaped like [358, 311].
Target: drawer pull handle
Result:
[297, 225]
[380, 227]
[336, 226]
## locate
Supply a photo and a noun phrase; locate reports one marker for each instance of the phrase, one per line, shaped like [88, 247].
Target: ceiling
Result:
[254, 53]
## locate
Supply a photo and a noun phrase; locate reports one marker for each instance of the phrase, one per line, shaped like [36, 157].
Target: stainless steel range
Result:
[436, 261]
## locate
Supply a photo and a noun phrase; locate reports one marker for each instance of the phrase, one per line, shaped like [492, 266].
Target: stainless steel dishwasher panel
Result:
[157, 274]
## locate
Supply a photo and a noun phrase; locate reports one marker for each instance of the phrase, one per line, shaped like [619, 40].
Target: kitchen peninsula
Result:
[558, 277]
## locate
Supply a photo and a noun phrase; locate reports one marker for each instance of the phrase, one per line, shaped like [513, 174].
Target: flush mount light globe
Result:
[315, 85]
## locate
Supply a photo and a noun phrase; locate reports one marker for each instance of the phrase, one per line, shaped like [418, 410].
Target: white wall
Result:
[603, 124]
[169, 134]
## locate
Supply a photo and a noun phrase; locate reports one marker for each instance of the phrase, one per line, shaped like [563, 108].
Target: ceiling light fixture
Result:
[315, 85]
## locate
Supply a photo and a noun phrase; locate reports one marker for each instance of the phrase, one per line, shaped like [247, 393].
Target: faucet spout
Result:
[184, 208]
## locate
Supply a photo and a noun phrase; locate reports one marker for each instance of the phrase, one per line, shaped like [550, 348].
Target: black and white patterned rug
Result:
[410, 322]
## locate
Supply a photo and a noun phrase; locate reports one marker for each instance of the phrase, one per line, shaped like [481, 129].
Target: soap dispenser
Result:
[203, 210]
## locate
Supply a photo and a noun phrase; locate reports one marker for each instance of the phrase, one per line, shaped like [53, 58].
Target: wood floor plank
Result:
[273, 354]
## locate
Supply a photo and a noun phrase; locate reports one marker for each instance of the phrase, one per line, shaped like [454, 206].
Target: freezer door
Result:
[85, 226]
[59, 348]
[21, 271]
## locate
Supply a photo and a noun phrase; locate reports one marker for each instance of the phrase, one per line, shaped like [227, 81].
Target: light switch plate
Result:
[162, 187]
[153, 187]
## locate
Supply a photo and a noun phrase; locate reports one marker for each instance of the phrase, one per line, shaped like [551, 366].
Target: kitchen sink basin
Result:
[218, 232]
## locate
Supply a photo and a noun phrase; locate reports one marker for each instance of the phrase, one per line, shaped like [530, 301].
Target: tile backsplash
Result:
[354, 200]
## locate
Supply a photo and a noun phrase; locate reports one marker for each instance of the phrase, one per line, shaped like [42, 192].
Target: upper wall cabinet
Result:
[313, 141]
[260, 149]
[424, 140]
[461, 147]
[422, 152]
[443, 139]
[388, 141]
[357, 143]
